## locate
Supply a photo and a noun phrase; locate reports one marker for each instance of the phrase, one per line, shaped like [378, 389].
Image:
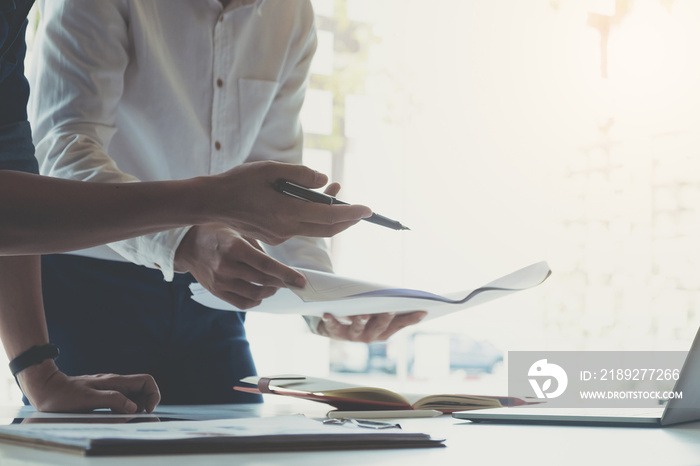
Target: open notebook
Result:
[350, 397]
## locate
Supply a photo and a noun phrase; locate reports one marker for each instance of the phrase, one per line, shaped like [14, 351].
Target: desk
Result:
[467, 443]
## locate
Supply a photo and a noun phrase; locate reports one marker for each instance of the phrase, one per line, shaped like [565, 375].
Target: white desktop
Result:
[467, 443]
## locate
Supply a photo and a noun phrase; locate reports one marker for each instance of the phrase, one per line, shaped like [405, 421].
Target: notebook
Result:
[676, 411]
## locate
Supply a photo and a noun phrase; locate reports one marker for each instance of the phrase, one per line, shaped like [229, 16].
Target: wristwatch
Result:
[34, 355]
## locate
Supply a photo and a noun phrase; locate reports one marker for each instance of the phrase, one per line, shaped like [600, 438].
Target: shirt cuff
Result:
[153, 251]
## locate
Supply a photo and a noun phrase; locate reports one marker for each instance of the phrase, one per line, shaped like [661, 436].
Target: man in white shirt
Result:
[42, 214]
[133, 90]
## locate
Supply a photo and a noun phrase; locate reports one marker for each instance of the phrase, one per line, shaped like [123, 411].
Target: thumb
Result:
[301, 175]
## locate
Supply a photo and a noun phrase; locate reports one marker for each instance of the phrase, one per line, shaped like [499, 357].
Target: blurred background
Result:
[504, 133]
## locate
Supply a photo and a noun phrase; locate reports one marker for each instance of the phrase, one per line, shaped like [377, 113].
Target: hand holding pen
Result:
[242, 199]
[305, 194]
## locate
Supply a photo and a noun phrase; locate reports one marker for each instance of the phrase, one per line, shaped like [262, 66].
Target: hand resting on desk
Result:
[50, 390]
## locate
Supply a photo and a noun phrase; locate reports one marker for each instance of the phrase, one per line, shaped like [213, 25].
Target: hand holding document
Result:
[341, 296]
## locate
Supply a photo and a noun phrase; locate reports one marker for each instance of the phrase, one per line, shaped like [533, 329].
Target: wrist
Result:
[35, 383]
[181, 262]
[35, 376]
[184, 202]
[33, 356]
[208, 199]
[201, 197]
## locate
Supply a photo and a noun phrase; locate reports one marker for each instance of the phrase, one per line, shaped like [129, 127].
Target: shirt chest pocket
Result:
[255, 99]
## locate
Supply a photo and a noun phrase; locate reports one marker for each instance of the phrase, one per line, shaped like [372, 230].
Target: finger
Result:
[112, 399]
[324, 231]
[149, 395]
[341, 226]
[139, 388]
[251, 291]
[322, 214]
[357, 327]
[235, 299]
[301, 175]
[402, 321]
[330, 229]
[331, 327]
[377, 325]
[269, 266]
[152, 397]
[332, 189]
[342, 320]
[123, 383]
[243, 271]
[239, 301]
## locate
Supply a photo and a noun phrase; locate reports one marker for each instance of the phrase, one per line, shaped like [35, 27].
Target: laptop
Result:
[676, 411]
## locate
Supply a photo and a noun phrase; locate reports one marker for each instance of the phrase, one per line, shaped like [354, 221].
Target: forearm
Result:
[22, 321]
[23, 325]
[42, 215]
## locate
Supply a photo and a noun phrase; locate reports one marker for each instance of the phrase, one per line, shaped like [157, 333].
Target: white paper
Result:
[343, 296]
[173, 430]
[264, 432]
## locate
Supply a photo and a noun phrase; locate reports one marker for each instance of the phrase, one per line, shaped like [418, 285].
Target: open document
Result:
[284, 433]
[341, 296]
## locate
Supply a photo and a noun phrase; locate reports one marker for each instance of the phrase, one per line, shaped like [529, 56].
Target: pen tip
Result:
[403, 227]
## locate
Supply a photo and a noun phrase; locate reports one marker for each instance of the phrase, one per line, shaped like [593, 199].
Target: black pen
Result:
[305, 194]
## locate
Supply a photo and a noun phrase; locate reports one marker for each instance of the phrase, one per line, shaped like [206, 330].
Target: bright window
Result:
[508, 132]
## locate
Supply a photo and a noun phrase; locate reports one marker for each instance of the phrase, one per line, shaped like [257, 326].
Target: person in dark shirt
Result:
[41, 215]
[16, 149]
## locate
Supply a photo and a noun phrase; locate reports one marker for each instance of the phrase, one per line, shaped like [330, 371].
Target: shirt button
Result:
[220, 82]
[217, 144]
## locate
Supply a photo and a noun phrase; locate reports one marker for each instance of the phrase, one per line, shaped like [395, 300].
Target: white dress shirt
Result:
[129, 90]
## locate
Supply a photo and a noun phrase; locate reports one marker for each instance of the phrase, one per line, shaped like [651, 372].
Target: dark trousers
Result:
[116, 317]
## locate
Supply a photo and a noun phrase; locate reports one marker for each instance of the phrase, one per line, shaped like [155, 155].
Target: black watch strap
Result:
[34, 355]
